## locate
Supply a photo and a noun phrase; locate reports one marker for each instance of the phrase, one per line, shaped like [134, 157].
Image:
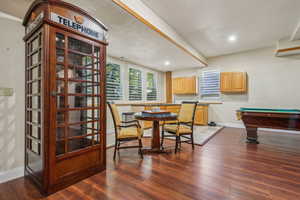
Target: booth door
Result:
[34, 97]
[77, 95]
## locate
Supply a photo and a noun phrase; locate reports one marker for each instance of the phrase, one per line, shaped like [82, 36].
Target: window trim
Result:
[124, 68]
[121, 80]
[142, 84]
[207, 96]
[155, 82]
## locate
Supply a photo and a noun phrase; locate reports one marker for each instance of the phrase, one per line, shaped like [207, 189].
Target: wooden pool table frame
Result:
[253, 120]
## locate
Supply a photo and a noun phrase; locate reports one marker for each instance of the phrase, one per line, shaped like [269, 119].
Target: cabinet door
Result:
[190, 85]
[226, 78]
[175, 85]
[173, 109]
[201, 115]
[184, 85]
[162, 107]
[238, 82]
[180, 86]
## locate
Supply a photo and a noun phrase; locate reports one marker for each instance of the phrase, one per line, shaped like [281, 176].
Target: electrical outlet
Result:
[6, 91]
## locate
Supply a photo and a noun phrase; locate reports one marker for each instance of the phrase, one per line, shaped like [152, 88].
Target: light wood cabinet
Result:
[201, 115]
[226, 81]
[184, 85]
[173, 109]
[239, 81]
[233, 82]
[176, 86]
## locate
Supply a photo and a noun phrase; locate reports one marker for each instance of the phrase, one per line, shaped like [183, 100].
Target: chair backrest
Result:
[115, 114]
[187, 112]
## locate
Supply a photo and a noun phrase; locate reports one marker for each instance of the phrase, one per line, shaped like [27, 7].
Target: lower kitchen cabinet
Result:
[173, 109]
[201, 115]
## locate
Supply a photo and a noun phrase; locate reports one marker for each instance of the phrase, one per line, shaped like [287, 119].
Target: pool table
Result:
[254, 118]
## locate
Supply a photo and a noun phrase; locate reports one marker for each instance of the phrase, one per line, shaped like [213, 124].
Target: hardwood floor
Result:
[226, 168]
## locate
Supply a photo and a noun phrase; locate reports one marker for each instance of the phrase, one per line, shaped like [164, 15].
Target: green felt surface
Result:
[270, 110]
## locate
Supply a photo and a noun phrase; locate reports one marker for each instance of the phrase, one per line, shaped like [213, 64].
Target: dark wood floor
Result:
[225, 168]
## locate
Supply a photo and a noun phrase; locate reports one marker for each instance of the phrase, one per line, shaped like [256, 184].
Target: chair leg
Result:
[116, 147]
[176, 145]
[179, 143]
[140, 148]
[162, 138]
[119, 143]
[192, 138]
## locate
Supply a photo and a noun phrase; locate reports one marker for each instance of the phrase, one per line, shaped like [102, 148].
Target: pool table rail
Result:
[267, 119]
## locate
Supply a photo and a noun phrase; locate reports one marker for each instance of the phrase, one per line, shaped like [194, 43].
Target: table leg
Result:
[155, 136]
[155, 143]
[252, 135]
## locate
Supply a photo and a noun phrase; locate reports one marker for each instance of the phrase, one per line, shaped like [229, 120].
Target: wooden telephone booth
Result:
[65, 95]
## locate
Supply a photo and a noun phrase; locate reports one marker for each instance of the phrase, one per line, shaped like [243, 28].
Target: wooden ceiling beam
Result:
[144, 14]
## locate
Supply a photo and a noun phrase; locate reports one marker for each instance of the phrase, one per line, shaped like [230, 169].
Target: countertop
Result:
[164, 104]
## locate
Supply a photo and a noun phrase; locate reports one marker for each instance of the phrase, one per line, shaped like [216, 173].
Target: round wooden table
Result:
[156, 118]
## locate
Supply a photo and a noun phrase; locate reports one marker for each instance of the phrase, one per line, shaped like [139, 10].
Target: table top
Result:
[268, 110]
[155, 117]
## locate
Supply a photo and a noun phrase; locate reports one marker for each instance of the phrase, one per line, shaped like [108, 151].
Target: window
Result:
[151, 87]
[135, 85]
[210, 84]
[113, 82]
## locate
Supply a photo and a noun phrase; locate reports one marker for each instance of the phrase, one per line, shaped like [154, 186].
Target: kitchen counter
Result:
[164, 104]
[201, 113]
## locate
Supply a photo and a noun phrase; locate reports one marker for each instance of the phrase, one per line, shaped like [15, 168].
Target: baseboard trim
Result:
[237, 125]
[19, 171]
[11, 174]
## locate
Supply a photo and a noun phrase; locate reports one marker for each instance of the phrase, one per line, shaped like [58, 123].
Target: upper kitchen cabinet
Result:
[233, 82]
[184, 85]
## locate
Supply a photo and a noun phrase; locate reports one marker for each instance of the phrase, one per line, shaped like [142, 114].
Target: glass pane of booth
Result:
[78, 88]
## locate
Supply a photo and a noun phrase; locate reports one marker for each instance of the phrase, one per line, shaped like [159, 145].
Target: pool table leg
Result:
[252, 135]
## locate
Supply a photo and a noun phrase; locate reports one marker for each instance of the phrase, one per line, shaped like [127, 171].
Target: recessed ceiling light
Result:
[167, 63]
[232, 38]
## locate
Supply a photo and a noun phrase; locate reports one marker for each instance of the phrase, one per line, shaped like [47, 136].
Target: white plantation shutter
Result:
[210, 83]
[151, 87]
[113, 82]
[135, 85]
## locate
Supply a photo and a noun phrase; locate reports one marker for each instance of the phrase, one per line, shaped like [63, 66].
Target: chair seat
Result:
[182, 129]
[130, 132]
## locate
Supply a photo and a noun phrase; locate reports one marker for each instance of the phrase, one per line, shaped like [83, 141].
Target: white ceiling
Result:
[206, 24]
[128, 37]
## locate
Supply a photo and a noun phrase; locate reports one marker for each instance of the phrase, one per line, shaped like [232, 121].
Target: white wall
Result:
[12, 72]
[12, 75]
[124, 81]
[272, 81]
[160, 80]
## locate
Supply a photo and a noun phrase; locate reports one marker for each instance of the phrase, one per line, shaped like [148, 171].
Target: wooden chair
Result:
[125, 131]
[183, 127]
